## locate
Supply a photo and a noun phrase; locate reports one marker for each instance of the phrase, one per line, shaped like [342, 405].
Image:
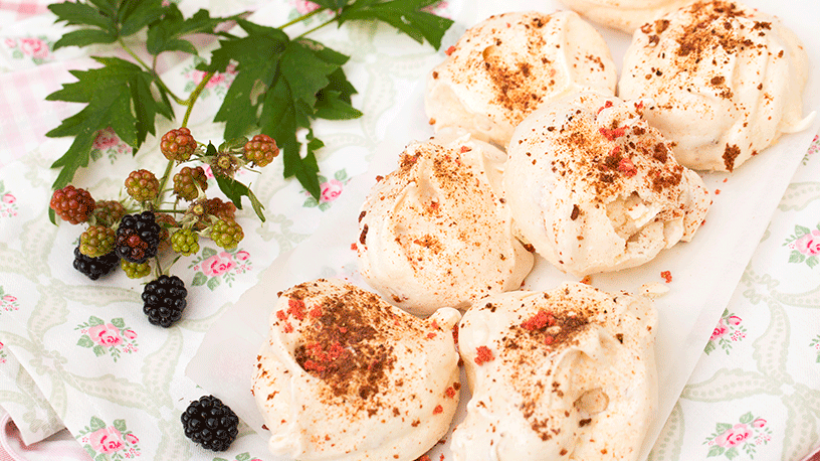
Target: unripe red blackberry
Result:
[138, 237]
[97, 241]
[178, 144]
[187, 180]
[222, 210]
[261, 150]
[142, 185]
[72, 204]
[108, 212]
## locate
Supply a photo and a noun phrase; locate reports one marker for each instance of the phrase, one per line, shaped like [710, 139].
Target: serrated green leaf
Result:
[81, 14]
[136, 14]
[166, 35]
[332, 4]
[235, 190]
[330, 106]
[405, 15]
[305, 72]
[85, 341]
[85, 37]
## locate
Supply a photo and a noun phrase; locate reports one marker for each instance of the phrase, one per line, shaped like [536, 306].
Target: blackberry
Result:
[185, 242]
[137, 237]
[187, 180]
[178, 145]
[227, 234]
[164, 300]
[224, 164]
[142, 185]
[108, 212]
[94, 268]
[97, 241]
[134, 270]
[72, 204]
[261, 150]
[210, 423]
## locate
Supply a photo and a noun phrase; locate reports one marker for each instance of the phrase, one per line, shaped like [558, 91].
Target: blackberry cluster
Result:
[187, 180]
[95, 268]
[142, 185]
[178, 145]
[72, 204]
[227, 234]
[134, 270]
[185, 242]
[261, 150]
[108, 212]
[138, 237]
[210, 423]
[97, 241]
[164, 300]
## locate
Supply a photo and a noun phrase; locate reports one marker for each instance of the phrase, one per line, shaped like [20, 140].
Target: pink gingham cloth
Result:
[61, 447]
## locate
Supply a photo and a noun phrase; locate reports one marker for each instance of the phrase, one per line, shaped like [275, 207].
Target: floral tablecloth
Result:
[80, 354]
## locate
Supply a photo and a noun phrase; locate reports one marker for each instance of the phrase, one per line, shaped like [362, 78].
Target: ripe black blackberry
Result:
[164, 300]
[210, 423]
[137, 237]
[94, 268]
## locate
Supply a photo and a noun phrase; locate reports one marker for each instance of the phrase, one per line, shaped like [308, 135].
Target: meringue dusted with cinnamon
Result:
[506, 66]
[625, 15]
[437, 231]
[345, 376]
[594, 188]
[563, 374]
[725, 81]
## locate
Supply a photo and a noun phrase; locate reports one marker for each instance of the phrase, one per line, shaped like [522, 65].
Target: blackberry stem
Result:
[150, 69]
[194, 95]
[303, 17]
[316, 28]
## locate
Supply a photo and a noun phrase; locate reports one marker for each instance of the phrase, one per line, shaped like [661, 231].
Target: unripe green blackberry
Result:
[227, 234]
[108, 212]
[72, 204]
[97, 241]
[178, 145]
[187, 180]
[185, 242]
[142, 185]
[261, 150]
[134, 270]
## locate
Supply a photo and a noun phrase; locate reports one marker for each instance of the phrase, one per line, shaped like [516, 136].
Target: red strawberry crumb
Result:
[342, 330]
[627, 167]
[613, 134]
[484, 354]
[639, 105]
[455, 333]
[587, 280]
[310, 365]
[379, 178]
[316, 312]
[296, 308]
[538, 321]
[615, 152]
[450, 392]
[439, 409]
[465, 149]
[434, 205]
[725, 179]
[606, 105]
[434, 324]
[667, 276]
[431, 335]
[424, 458]
[353, 246]
[548, 340]
[281, 315]
[288, 328]
[441, 457]
[717, 191]
[450, 50]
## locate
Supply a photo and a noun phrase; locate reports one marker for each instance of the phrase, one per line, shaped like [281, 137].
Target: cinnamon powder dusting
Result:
[729, 155]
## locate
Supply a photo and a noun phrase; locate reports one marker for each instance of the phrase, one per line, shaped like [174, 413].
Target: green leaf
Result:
[722, 427]
[731, 453]
[199, 279]
[715, 451]
[85, 341]
[96, 424]
[98, 350]
[118, 322]
[812, 261]
[166, 35]
[340, 175]
[330, 106]
[243, 457]
[207, 252]
[747, 418]
[332, 4]
[136, 14]
[80, 14]
[213, 283]
[89, 450]
[94, 321]
[405, 15]
[235, 190]
[796, 257]
[101, 457]
[800, 230]
[119, 424]
[85, 37]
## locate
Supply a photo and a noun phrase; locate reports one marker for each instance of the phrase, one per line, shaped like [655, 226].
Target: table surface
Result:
[79, 355]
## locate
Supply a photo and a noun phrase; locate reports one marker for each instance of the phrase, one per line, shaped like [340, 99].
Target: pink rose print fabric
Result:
[728, 331]
[3, 355]
[331, 189]
[213, 268]
[8, 302]
[804, 245]
[35, 49]
[113, 338]
[108, 144]
[8, 202]
[115, 441]
[730, 440]
[240, 457]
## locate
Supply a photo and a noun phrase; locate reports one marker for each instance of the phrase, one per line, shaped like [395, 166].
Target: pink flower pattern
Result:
[115, 441]
[304, 6]
[106, 440]
[218, 83]
[8, 303]
[213, 268]
[728, 330]
[331, 190]
[218, 264]
[112, 338]
[729, 439]
[8, 203]
[36, 49]
[2, 354]
[109, 144]
[804, 244]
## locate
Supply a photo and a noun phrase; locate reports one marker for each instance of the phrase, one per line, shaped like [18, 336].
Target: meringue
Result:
[437, 232]
[563, 374]
[594, 188]
[506, 66]
[624, 15]
[344, 376]
[725, 82]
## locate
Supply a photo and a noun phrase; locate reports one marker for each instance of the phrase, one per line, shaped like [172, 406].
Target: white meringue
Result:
[724, 80]
[625, 15]
[563, 374]
[506, 66]
[594, 188]
[344, 376]
[437, 232]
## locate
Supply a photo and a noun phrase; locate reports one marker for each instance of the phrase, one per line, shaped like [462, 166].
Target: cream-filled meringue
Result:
[437, 231]
[594, 188]
[345, 376]
[506, 66]
[563, 374]
[724, 80]
[625, 15]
